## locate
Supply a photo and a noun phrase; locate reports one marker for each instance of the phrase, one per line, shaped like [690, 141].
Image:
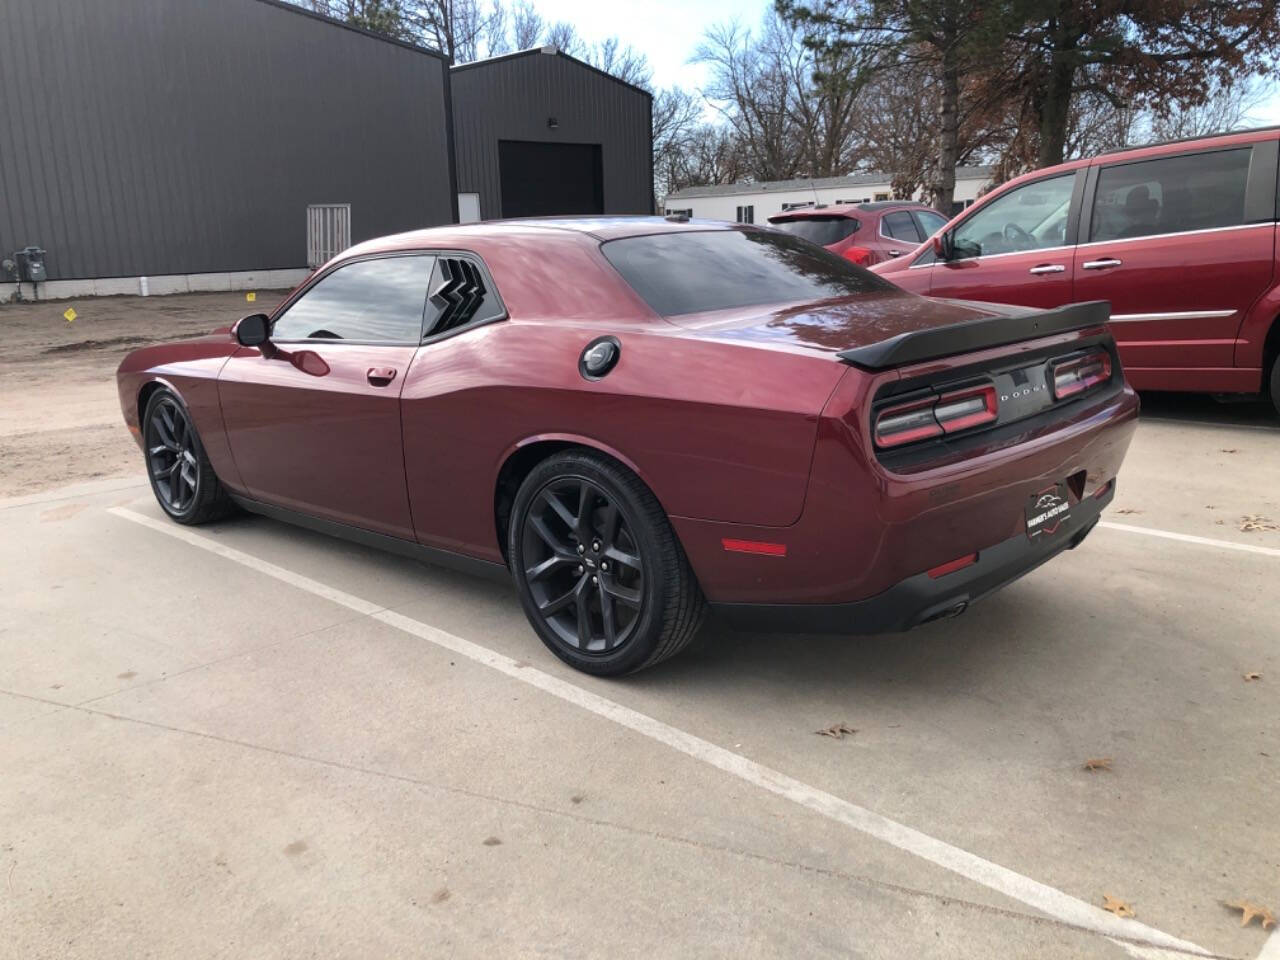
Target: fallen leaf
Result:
[1252, 675]
[836, 730]
[492, 842]
[1256, 521]
[1250, 910]
[1128, 510]
[1117, 906]
[1098, 763]
[1229, 450]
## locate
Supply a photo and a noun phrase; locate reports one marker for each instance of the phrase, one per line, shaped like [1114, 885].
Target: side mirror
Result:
[943, 248]
[253, 330]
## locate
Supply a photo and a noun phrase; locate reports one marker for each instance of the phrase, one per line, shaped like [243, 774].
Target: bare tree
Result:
[454, 27]
[753, 93]
[526, 26]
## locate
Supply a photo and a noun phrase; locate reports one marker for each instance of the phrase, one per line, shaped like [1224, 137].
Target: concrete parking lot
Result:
[250, 740]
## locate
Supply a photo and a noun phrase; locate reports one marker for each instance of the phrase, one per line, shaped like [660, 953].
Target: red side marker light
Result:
[951, 566]
[754, 546]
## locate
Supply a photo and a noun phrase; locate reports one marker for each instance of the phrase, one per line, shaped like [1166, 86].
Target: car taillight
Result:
[934, 416]
[859, 255]
[1075, 375]
[962, 409]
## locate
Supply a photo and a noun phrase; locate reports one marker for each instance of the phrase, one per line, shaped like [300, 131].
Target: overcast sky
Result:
[668, 32]
[665, 31]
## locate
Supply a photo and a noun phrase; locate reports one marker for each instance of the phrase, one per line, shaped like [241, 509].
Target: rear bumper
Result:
[921, 598]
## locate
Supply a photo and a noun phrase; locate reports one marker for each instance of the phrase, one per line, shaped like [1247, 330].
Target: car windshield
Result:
[679, 273]
[823, 231]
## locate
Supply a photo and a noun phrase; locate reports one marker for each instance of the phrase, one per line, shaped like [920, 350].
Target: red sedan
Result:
[635, 419]
[864, 233]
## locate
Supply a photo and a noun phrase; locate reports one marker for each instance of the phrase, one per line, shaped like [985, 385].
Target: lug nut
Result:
[581, 548]
[595, 545]
[578, 569]
[593, 580]
[604, 564]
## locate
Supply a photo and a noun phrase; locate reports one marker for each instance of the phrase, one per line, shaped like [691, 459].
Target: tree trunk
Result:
[1055, 109]
[945, 189]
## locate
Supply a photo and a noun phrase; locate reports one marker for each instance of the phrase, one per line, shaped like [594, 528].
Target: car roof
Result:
[853, 211]
[530, 228]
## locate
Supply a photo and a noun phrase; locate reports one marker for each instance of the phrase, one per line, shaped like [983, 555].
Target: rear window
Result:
[823, 231]
[679, 273]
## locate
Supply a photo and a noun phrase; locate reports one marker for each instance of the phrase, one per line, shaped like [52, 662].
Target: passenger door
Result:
[899, 234]
[1016, 248]
[313, 416]
[1182, 246]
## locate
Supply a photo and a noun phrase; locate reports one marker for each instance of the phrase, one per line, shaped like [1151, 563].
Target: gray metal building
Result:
[539, 132]
[149, 137]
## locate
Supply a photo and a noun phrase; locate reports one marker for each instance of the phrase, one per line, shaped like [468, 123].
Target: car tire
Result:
[1275, 383]
[181, 476]
[608, 589]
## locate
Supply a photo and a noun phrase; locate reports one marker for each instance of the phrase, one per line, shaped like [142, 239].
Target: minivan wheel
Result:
[181, 476]
[601, 576]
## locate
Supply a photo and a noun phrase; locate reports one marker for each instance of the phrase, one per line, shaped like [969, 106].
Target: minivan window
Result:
[679, 273]
[823, 231]
[1196, 191]
[900, 226]
[1030, 217]
[369, 300]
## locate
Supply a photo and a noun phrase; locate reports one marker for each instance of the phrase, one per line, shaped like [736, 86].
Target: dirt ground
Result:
[54, 437]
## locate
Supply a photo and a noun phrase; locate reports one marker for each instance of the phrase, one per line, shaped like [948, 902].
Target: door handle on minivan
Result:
[381, 376]
[1102, 264]
[1048, 268]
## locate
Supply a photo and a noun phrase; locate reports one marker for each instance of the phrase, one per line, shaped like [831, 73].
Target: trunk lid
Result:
[839, 326]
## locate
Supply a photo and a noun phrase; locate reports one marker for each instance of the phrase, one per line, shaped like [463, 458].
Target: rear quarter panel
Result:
[717, 431]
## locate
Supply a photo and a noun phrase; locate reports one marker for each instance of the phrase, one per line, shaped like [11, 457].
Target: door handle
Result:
[1048, 268]
[895, 253]
[381, 376]
[1102, 264]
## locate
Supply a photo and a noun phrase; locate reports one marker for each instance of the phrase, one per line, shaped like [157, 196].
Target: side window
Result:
[930, 222]
[369, 300]
[900, 226]
[1030, 217]
[460, 294]
[1197, 191]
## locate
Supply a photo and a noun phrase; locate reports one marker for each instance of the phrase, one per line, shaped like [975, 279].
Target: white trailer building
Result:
[756, 202]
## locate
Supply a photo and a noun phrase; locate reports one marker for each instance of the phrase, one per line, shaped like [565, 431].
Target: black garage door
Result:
[545, 179]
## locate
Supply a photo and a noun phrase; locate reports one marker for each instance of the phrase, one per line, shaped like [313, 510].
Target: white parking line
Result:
[1192, 538]
[1271, 949]
[1128, 934]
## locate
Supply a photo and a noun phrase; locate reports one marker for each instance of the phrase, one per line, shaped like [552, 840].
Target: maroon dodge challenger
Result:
[642, 418]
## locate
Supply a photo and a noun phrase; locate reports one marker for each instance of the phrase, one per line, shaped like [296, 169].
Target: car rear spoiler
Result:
[970, 335]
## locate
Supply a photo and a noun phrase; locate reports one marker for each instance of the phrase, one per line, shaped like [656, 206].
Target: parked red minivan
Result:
[1180, 237]
[866, 233]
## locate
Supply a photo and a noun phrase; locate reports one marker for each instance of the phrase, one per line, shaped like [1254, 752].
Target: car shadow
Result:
[1200, 408]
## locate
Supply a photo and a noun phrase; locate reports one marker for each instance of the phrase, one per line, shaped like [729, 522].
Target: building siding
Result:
[769, 201]
[511, 98]
[149, 137]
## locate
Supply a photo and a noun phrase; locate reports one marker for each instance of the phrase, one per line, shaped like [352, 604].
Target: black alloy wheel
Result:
[600, 573]
[181, 476]
[170, 458]
[582, 565]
